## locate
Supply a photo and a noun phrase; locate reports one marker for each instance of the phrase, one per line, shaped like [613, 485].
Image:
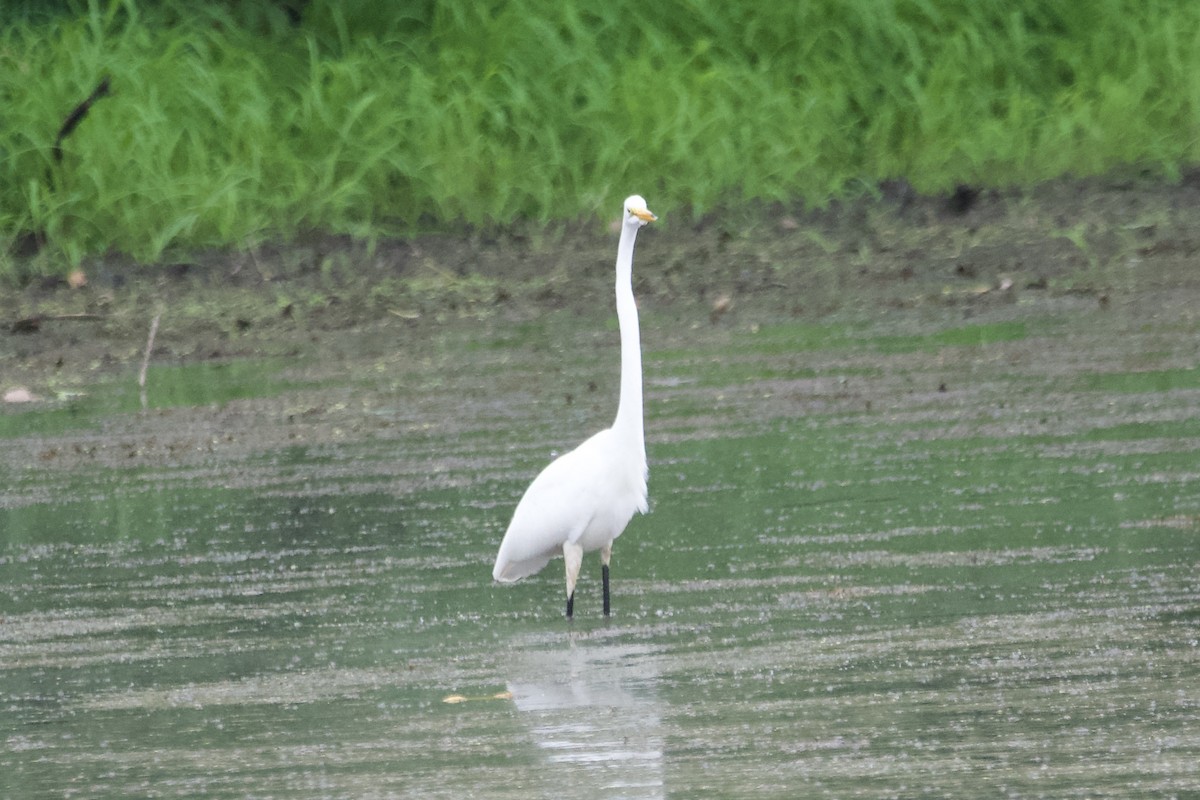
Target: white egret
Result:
[583, 499]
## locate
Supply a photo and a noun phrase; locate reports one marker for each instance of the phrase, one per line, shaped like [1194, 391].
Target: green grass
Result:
[796, 337]
[1145, 381]
[965, 336]
[232, 124]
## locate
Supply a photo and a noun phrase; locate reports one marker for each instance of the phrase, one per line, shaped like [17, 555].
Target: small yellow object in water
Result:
[458, 698]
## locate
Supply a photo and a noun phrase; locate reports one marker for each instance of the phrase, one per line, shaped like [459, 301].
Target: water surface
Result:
[954, 558]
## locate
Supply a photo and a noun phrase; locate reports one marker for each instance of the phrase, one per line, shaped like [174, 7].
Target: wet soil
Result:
[340, 310]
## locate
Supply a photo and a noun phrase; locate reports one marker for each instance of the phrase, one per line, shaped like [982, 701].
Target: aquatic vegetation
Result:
[231, 124]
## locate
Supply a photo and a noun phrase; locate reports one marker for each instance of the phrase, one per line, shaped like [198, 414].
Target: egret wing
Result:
[554, 509]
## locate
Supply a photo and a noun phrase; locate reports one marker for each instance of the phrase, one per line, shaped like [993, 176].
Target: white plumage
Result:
[583, 500]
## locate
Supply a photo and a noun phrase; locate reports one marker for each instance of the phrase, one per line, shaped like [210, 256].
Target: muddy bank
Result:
[351, 327]
[1115, 239]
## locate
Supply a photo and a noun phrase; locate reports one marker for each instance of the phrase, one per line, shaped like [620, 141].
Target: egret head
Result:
[636, 212]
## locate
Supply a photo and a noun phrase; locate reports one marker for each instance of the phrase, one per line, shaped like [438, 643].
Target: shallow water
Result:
[885, 559]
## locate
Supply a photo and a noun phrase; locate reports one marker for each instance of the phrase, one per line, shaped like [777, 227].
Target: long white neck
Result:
[628, 424]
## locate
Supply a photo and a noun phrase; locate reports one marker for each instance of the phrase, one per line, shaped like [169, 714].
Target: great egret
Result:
[583, 499]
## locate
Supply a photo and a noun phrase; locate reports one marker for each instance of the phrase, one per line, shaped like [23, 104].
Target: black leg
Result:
[604, 573]
[571, 605]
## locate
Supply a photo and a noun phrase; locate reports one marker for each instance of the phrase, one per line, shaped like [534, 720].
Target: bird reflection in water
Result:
[595, 710]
